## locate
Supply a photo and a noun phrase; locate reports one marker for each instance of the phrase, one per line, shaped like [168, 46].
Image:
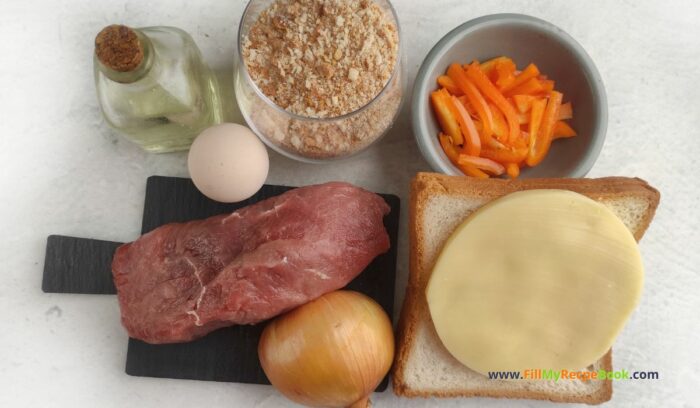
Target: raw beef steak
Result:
[182, 281]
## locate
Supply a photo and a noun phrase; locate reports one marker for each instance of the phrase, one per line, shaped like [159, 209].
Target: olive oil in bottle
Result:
[154, 87]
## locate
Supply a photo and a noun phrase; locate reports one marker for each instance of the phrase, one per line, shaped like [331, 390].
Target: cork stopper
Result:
[119, 48]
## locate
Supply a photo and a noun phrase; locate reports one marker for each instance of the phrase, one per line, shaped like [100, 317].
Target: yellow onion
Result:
[330, 352]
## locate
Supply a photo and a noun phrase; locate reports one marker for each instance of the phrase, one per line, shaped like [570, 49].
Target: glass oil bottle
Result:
[154, 87]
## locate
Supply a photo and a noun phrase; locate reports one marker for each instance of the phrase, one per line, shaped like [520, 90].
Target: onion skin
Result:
[330, 352]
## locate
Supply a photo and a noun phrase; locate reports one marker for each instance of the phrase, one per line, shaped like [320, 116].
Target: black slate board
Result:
[78, 265]
[228, 354]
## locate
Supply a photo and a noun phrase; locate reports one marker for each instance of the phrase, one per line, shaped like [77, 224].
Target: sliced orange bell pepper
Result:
[450, 150]
[489, 66]
[505, 155]
[464, 100]
[489, 90]
[482, 82]
[472, 142]
[513, 170]
[562, 129]
[500, 125]
[482, 163]
[547, 85]
[536, 113]
[524, 118]
[457, 74]
[523, 140]
[453, 154]
[470, 170]
[445, 116]
[447, 100]
[543, 138]
[505, 73]
[529, 72]
[497, 119]
[530, 87]
[485, 140]
[445, 82]
[523, 102]
[468, 106]
[566, 111]
[492, 144]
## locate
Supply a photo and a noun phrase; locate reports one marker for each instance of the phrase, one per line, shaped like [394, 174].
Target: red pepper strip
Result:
[543, 139]
[445, 82]
[477, 101]
[482, 164]
[445, 116]
[529, 72]
[472, 142]
[562, 129]
[491, 92]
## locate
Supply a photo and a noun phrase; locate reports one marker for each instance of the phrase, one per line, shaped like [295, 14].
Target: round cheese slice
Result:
[536, 279]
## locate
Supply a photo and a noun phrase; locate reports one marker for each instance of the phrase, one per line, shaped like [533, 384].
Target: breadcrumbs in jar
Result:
[329, 71]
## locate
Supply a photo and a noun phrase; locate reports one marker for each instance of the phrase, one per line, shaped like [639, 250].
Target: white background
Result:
[64, 172]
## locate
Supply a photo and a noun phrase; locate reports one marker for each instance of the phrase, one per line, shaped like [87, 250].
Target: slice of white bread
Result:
[439, 203]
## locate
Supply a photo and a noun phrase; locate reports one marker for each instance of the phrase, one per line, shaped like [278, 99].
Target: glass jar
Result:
[310, 139]
[163, 102]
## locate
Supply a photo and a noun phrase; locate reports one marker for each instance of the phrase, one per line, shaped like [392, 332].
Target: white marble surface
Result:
[64, 172]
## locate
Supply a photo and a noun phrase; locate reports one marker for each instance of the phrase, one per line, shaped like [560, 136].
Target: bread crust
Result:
[425, 185]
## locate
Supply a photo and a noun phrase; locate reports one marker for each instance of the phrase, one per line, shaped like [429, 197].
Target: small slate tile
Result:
[78, 265]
